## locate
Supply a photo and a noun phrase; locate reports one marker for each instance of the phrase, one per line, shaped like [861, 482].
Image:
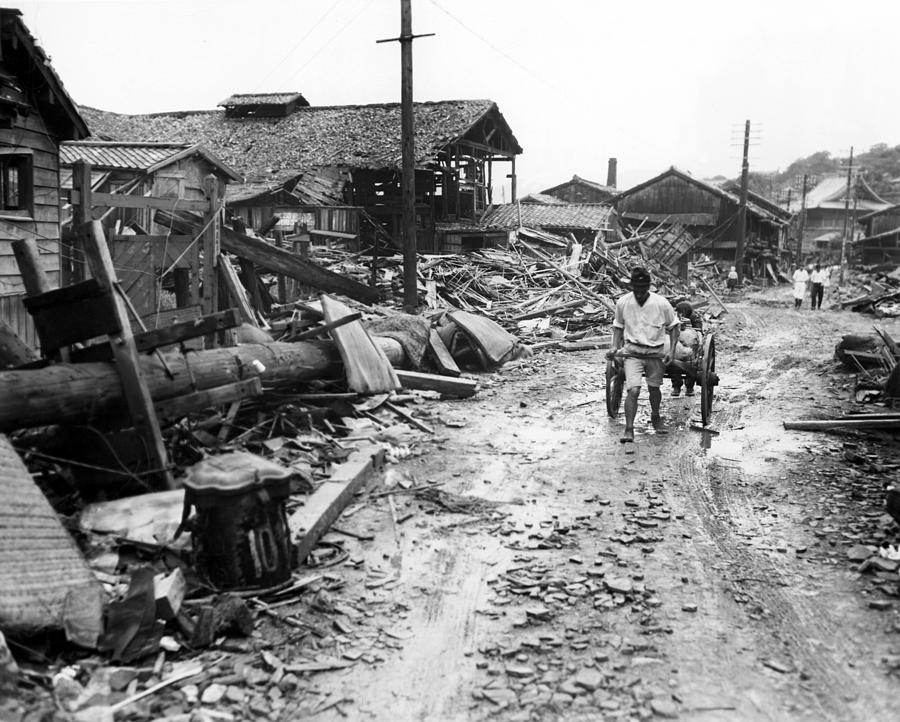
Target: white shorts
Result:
[650, 367]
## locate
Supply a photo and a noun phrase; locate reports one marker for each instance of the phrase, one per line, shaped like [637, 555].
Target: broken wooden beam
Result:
[444, 361]
[274, 259]
[322, 508]
[447, 385]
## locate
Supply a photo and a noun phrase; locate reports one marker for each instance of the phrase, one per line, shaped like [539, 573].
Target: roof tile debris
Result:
[353, 136]
[590, 216]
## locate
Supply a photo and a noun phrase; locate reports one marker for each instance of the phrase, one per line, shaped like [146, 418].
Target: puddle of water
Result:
[750, 447]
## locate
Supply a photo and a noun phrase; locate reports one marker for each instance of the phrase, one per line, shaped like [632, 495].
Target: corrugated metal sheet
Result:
[118, 156]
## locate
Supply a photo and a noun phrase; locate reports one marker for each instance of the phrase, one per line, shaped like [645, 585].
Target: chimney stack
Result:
[611, 173]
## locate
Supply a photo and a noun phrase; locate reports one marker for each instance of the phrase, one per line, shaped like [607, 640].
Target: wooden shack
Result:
[709, 212]
[581, 190]
[162, 170]
[36, 115]
[459, 144]
[881, 240]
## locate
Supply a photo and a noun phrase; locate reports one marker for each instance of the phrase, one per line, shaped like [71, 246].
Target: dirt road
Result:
[551, 574]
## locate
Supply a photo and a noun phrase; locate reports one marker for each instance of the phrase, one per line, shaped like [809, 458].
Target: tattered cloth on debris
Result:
[411, 332]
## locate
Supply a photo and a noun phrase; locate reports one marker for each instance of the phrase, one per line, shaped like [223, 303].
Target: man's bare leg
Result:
[631, 404]
[655, 399]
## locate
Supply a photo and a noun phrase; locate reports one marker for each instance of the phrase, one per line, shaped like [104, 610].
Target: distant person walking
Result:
[817, 287]
[646, 330]
[731, 280]
[801, 280]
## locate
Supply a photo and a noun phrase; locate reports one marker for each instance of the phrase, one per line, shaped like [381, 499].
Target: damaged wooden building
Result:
[336, 169]
[36, 115]
[709, 212]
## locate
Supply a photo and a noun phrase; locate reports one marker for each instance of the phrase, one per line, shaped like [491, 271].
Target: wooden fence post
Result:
[211, 248]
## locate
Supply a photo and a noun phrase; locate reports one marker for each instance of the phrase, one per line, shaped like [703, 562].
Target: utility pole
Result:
[846, 216]
[742, 208]
[802, 222]
[408, 172]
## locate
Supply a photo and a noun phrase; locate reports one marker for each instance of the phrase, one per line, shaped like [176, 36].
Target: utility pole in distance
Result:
[742, 208]
[802, 221]
[408, 173]
[846, 214]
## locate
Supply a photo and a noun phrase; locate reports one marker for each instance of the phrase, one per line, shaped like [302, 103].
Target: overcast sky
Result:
[652, 82]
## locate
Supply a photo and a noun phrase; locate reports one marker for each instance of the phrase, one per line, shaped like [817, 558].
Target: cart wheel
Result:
[708, 378]
[615, 382]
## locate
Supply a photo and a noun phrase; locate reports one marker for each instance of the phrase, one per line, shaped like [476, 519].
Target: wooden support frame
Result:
[137, 395]
[211, 247]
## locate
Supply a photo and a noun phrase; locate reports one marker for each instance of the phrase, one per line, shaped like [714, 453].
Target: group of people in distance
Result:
[812, 280]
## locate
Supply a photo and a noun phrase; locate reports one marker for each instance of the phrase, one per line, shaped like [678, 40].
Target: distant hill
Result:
[880, 166]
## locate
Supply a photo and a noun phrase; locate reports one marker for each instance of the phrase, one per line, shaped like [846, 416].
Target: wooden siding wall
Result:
[885, 222]
[670, 195]
[30, 133]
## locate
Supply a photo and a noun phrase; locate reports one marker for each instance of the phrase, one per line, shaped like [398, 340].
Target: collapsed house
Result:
[709, 213]
[584, 222]
[336, 170]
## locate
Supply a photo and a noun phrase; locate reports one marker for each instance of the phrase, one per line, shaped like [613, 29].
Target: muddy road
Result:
[552, 572]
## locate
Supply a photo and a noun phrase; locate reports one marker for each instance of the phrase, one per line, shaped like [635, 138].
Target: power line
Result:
[331, 39]
[296, 45]
[490, 44]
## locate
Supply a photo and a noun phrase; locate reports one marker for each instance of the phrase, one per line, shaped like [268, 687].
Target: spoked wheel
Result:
[615, 382]
[708, 378]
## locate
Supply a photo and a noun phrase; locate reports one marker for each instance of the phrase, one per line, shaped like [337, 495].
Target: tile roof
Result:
[353, 136]
[542, 198]
[591, 216]
[118, 156]
[147, 157]
[830, 191]
[578, 180]
[263, 98]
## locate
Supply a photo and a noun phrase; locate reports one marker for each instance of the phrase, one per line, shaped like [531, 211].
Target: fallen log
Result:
[80, 393]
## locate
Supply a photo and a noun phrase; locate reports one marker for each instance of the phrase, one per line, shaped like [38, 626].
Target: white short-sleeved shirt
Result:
[818, 276]
[646, 325]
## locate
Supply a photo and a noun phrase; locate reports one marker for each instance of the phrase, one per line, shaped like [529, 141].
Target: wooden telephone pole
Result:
[408, 177]
[802, 220]
[846, 216]
[742, 208]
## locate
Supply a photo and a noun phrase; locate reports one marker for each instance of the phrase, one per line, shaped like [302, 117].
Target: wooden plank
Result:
[325, 328]
[276, 260]
[155, 338]
[368, 369]
[30, 267]
[441, 355]
[332, 234]
[450, 386]
[136, 392]
[846, 423]
[322, 508]
[235, 290]
[200, 400]
[121, 200]
[408, 417]
[211, 248]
